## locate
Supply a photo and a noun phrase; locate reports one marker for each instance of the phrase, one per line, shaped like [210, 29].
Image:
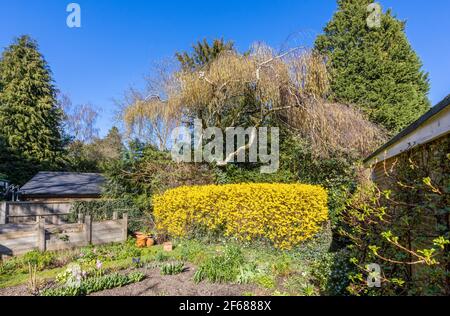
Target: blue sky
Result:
[120, 40]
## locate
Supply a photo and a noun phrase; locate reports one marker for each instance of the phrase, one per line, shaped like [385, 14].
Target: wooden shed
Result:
[62, 187]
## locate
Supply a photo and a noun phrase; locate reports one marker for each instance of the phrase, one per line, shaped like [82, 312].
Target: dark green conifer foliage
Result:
[374, 68]
[30, 120]
[203, 53]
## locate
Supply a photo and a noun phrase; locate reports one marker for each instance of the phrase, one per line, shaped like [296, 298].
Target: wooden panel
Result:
[27, 211]
[16, 235]
[18, 239]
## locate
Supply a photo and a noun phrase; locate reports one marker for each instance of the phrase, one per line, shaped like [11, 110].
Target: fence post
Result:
[3, 212]
[115, 216]
[88, 229]
[41, 243]
[80, 218]
[124, 226]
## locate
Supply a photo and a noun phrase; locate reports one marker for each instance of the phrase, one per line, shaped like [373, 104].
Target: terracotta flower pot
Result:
[150, 242]
[141, 241]
[167, 246]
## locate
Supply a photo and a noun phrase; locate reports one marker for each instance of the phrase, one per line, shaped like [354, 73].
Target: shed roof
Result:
[413, 127]
[64, 184]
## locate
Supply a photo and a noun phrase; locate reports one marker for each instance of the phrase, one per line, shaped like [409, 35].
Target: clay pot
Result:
[141, 241]
[150, 242]
[167, 246]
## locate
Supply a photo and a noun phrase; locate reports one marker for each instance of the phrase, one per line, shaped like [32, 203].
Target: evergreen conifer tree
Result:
[374, 67]
[30, 120]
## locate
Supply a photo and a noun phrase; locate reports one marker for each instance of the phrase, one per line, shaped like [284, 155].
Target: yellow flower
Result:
[285, 214]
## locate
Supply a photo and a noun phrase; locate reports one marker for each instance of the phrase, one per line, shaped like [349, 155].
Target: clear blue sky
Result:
[119, 40]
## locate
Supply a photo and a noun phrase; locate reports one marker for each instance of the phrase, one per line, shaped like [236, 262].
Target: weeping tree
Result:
[261, 88]
[264, 88]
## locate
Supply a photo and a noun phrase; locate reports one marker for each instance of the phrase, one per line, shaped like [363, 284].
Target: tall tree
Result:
[374, 66]
[110, 147]
[92, 157]
[30, 120]
[79, 120]
[203, 53]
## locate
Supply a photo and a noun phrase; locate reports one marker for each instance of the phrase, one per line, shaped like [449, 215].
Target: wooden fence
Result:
[23, 212]
[16, 239]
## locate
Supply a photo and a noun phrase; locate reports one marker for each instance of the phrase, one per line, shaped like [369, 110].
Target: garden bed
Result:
[193, 268]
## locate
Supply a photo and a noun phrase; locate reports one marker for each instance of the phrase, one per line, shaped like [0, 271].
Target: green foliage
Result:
[235, 174]
[374, 68]
[96, 284]
[404, 229]
[101, 210]
[96, 155]
[172, 268]
[266, 281]
[30, 121]
[337, 174]
[330, 272]
[143, 171]
[203, 53]
[247, 273]
[42, 260]
[224, 267]
[162, 256]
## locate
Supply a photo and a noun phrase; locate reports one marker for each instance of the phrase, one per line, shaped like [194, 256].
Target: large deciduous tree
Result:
[374, 67]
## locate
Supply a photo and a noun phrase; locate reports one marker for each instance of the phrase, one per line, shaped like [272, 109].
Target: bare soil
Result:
[182, 284]
[156, 284]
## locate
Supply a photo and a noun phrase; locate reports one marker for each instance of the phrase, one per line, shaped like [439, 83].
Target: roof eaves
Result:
[411, 128]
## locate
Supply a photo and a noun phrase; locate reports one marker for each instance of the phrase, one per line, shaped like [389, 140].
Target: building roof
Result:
[423, 120]
[63, 184]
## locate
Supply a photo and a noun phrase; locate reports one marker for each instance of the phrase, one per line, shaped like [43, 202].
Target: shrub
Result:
[42, 260]
[285, 214]
[402, 225]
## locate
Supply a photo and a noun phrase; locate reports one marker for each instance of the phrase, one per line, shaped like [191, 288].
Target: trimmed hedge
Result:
[285, 214]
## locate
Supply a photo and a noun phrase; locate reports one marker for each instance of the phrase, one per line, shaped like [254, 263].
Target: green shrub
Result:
[329, 272]
[233, 174]
[42, 260]
[282, 266]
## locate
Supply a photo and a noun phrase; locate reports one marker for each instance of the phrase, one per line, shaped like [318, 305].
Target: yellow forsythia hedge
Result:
[285, 214]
